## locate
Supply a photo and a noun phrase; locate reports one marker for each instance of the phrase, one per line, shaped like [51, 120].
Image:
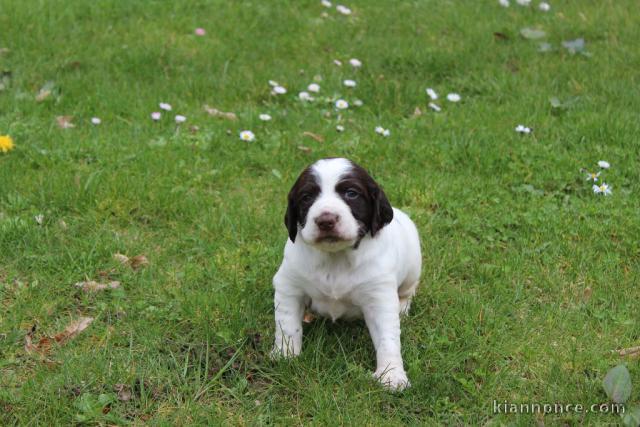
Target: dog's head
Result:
[334, 203]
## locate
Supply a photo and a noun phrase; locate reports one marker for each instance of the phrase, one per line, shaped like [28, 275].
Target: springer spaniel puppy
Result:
[349, 254]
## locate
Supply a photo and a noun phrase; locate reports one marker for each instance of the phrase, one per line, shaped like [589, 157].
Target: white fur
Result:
[375, 281]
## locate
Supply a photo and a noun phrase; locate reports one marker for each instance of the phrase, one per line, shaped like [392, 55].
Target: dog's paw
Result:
[393, 379]
[283, 352]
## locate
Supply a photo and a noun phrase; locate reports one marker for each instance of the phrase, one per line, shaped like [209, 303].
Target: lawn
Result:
[529, 277]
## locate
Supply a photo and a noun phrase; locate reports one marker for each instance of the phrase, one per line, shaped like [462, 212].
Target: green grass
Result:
[512, 234]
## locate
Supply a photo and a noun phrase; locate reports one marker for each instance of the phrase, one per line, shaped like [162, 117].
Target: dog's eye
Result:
[351, 194]
[306, 198]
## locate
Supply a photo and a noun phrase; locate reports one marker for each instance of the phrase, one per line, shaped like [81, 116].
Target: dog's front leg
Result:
[289, 309]
[381, 313]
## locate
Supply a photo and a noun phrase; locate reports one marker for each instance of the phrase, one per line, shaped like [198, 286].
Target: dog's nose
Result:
[327, 221]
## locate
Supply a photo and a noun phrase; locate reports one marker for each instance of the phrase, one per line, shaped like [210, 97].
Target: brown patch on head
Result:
[301, 196]
[366, 199]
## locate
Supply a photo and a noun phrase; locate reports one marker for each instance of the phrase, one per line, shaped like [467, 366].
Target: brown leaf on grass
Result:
[631, 351]
[304, 149]
[73, 329]
[308, 317]
[586, 294]
[314, 136]
[123, 259]
[217, 113]
[93, 286]
[134, 262]
[29, 347]
[42, 95]
[64, 122]
[43, 347]
[138, 261]
[500, 36]
[124, 392]
[417, 112]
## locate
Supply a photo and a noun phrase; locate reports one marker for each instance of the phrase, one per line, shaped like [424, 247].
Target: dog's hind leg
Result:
[405, 293]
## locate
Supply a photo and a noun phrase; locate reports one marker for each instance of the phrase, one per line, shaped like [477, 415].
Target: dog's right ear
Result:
[291, 216]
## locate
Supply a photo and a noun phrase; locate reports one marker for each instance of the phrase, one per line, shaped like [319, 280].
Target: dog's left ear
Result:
[382, 212]
[291, 217]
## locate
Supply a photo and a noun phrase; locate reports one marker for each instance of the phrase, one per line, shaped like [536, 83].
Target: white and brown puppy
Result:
[349, 254]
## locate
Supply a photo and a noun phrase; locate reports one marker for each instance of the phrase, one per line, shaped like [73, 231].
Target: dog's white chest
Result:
[331, 296]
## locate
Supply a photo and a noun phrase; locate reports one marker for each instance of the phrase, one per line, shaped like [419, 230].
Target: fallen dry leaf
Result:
[417, 112]
[42, 95]
[308, 317]
[43, 347]
[121, 258]
[64, 122]
[73, 329]
[304, 149]
[29, 347]
[217, 113]
[134, 262]
[138, 261]
[631, 351]
[314, 136]
[124, 392]
[93, 286]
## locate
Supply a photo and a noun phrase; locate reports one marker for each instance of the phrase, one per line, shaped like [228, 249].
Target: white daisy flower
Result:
[304, 96]
[279, 90]
[349, 83]
[432, 93]
[523, 2]
[523, 129]
[264, 117]
[355, 63]
[592, 176]
[435, 107]
[604, 164]
[39, 219]
[156, 115]
[96, 120]
[358, 103]
[314, 87]
[165, 106]
[273, 83]
[544, 6]
[180, 119]
[247, 135]
[337, 62]
[340, 128]
[504, 3]
[341, 104]
[382, 131]
[343, 9]
[326, 3]
[602, 189]
[454, 97]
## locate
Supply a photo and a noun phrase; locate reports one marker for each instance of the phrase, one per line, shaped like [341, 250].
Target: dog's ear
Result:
[381, 210]
[291, 216]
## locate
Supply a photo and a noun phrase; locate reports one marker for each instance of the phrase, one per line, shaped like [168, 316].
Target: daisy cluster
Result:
[157, 115]
[543, 6]
[340, 8]
[433, 96]
[314, 93]
[599, 186]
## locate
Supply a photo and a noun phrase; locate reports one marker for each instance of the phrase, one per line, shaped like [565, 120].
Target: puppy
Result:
[349, 254]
